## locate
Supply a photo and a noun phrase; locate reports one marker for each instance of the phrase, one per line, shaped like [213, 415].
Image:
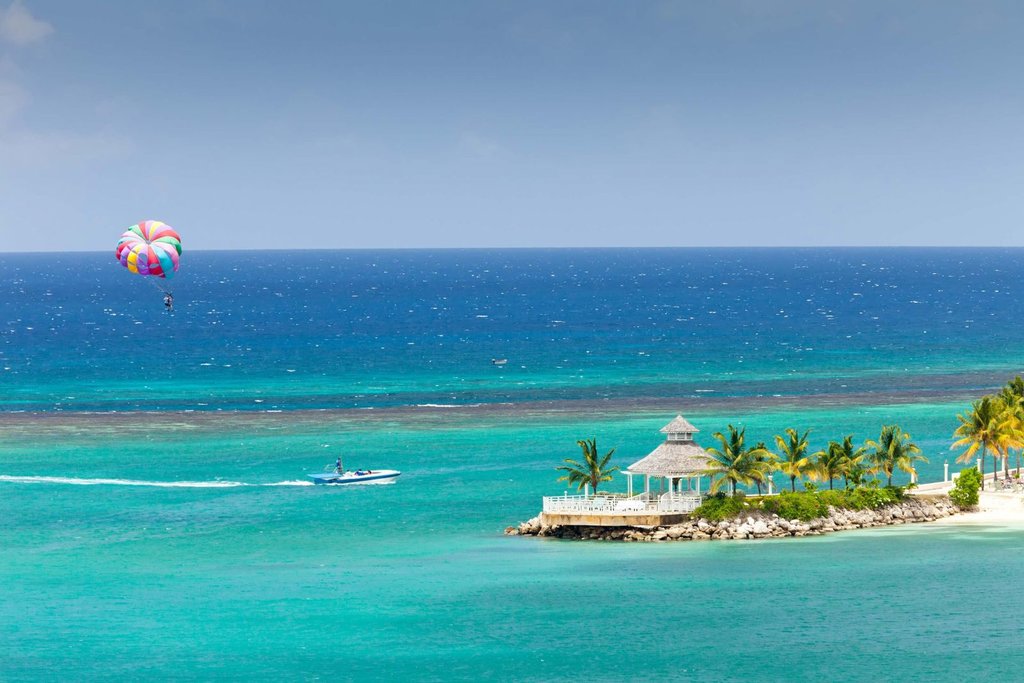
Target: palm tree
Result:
[838, 460]
[1014, 406]
[984, 429]
[793, 460]
[856, 471]
[593, 470]
[736, 464]
[761, 454]
[893, 451]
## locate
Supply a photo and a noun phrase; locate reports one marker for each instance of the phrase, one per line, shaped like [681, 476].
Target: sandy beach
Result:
[994, 509]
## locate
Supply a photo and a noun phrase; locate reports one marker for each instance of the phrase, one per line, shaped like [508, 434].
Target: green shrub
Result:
[873, 498]
[965, 493]
[802, 506]
[837, 499]
[719, 507]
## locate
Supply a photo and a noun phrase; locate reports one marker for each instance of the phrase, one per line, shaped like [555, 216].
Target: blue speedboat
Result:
[356, 477]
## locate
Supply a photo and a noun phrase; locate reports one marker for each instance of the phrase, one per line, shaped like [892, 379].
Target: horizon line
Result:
[546, 248]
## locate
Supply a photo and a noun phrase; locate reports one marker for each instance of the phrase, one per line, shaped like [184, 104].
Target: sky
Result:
[258, 124]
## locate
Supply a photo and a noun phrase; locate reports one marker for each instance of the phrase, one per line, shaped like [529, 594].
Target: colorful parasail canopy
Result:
[150, 248]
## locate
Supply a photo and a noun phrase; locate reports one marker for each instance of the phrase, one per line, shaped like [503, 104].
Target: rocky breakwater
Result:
[752, 525]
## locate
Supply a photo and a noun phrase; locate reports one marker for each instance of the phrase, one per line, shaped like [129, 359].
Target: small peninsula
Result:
[677, 509]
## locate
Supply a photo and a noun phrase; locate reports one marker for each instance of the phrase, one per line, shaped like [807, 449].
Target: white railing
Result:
[619, 504]
[679, 502]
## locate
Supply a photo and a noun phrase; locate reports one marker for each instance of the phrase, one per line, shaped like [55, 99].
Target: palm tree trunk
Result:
[983, 451]
[1006, 464]
[792, 483]
[830, 483]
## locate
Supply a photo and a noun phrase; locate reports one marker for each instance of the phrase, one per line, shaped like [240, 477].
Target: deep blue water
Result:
[398, 328]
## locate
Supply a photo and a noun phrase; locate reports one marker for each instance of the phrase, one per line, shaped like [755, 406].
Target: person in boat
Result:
[337, 466]
[169, 301]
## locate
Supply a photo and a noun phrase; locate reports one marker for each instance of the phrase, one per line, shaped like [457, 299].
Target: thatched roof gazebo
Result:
[679, 458]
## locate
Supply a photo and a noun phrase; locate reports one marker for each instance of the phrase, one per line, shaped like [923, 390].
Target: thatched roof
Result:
[673, 459]
[680, 424]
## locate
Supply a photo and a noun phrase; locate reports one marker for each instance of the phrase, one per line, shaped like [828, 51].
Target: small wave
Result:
[123, 482]
[75, 481]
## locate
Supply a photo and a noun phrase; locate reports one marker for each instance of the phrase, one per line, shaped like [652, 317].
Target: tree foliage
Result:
[734, 463]
[793, 459]
[985, 429]
[593, 470]
[839, 459]
[893, 451]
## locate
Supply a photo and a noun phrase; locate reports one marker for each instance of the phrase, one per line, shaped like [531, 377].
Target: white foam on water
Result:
[76, 481]
[123, 482]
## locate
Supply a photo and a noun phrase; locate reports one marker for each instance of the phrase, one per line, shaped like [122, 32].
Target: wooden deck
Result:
[612, 519]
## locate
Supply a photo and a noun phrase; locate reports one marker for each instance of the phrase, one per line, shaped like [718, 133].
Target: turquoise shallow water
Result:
[203, 556]
[414, 580]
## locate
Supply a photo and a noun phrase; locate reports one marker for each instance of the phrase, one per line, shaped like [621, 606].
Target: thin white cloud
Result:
[475, 144]
[19, 27]
[26, 149]
[13, 98]
[23, 145]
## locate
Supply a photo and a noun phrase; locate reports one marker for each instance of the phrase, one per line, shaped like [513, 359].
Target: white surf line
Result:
[74, 481]
[123, 482]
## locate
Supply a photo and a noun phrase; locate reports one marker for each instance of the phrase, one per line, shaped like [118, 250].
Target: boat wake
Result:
[74, 481]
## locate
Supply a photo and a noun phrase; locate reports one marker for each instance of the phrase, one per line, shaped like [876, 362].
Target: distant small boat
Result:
[499, 361]
[356, 477]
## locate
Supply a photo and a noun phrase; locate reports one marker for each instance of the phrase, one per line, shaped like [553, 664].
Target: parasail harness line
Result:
[166, 291]
[151, 249]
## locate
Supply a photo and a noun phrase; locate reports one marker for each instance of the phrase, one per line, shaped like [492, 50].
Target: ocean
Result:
[158, 523]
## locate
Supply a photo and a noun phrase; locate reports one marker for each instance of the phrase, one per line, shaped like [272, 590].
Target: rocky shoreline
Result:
[753, 525]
